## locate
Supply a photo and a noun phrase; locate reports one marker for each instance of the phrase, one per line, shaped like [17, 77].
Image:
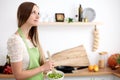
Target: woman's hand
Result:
[47, 66]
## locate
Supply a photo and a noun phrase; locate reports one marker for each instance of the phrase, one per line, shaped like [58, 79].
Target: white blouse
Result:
[17, 50]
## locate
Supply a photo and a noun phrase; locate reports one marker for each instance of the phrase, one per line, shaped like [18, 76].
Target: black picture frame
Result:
[59, 17]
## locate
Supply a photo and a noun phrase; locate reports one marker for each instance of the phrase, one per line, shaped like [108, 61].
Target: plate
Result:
[89, 13]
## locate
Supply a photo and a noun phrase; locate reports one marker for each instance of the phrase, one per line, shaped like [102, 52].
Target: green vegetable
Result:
[118, 60]
[55, 75]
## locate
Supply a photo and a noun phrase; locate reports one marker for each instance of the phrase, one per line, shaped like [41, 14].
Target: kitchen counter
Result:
[6, 76]
[83, 72]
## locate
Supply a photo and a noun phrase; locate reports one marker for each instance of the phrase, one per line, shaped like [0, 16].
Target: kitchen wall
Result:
[58, 38]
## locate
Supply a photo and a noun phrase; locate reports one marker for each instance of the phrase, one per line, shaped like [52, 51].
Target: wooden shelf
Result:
[69, 24]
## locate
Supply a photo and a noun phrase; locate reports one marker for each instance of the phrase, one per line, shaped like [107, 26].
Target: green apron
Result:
[34, 58]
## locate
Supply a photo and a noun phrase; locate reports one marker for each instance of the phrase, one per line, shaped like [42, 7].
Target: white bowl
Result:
[60, 72]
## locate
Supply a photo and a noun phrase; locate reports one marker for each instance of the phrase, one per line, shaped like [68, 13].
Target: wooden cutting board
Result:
[76, 56]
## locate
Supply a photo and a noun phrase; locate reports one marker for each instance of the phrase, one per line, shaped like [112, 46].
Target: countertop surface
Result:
[83, 72]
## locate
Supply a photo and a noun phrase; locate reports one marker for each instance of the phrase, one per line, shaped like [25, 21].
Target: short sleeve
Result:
[15, 48]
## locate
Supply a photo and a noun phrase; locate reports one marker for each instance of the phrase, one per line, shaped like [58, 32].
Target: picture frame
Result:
[59, 17]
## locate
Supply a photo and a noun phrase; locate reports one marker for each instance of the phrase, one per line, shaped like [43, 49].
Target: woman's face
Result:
[33, 19]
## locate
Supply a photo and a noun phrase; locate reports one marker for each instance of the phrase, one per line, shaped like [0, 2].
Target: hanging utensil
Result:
[96, 39]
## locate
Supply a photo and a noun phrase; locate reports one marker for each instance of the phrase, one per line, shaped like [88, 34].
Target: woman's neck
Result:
[25, 29]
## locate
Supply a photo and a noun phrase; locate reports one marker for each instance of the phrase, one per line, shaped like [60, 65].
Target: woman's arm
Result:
[23, 74]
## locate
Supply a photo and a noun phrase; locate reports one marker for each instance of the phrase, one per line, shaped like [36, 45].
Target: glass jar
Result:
[101, 61]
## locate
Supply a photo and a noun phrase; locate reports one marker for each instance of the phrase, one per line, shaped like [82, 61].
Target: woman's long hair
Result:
[23, 13]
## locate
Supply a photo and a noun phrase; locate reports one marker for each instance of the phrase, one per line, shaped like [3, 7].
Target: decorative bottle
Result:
[80, 10]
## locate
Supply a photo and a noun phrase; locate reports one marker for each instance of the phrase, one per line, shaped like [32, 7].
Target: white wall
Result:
[57, 38]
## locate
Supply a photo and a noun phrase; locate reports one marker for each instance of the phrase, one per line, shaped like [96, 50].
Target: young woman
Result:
[27, 58]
